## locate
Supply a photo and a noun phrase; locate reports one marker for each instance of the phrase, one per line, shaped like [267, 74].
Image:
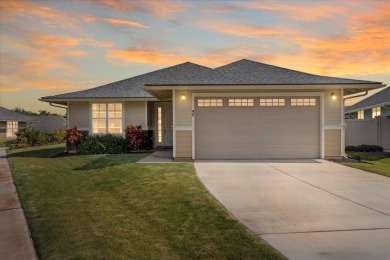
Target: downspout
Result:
[65, 107]
[360, 95]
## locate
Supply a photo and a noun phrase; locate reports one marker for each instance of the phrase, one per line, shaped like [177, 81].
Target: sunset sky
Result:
[53, 47]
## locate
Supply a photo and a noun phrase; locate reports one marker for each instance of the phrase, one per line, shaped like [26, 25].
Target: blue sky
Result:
[53, 47]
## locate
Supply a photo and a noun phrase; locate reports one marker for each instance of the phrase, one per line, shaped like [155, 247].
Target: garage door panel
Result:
[302, 151]
[211, 153]
[271, 152]
[241, 152]
[301, 140]
[217, 141]
[257, 132]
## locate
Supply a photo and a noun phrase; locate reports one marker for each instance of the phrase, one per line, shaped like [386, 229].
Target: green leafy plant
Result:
[137, 136]
[102, 144]
[364, 148]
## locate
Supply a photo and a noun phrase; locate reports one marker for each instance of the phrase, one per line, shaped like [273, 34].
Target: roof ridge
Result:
[287, 69]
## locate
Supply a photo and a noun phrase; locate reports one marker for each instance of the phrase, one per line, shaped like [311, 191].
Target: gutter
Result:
[51, 104]
[360, 95]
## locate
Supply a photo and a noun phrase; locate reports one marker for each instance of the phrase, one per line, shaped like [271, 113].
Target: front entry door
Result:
[164, 123]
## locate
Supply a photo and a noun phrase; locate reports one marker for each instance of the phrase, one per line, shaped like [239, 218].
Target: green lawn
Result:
[109, 207]
[372, 162]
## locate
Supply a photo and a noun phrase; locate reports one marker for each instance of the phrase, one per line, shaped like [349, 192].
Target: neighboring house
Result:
[368, 121]
[242, 110]
[48, 124]
[10, 122]
[371, 107]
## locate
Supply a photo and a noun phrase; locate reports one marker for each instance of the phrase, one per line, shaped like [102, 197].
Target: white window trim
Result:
[273, 104]
[284, 94]
[107, 102]
[240, 104]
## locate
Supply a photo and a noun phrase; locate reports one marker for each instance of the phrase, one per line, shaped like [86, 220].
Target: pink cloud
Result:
[152, 7]
[124, 23]
[164, 58]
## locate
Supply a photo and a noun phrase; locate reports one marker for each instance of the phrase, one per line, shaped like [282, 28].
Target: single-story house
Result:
[242, 110]
[11, 122]
[371, 107]
[48, 124]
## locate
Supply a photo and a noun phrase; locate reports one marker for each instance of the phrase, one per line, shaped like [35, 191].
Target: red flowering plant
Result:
[18, 135]
[72, 138]
[137, 137]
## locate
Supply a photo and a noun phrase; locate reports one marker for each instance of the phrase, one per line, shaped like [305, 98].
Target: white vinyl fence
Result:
[373, 131]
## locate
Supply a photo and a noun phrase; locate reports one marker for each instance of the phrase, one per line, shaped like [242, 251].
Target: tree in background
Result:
[30, 113]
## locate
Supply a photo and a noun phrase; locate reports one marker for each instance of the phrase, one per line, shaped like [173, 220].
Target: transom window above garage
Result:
[213, 102]
[272, 102]
[303, 102]
[241, 102]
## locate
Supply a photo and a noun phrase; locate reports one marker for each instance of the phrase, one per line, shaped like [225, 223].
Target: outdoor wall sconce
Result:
[183, 96]
[333, 95]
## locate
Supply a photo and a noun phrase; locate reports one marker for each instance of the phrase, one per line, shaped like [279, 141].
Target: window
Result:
[107, 118]
[272, 102]
[12, 127]
[376, 111]
[241, 102]
[159, 124]
[303, 102]
[361, 114]
[210, 102]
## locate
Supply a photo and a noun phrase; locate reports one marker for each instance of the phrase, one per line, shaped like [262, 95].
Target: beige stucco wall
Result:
[332, 143]
[332, 108]
[135, 113]
[183, 109]
[183, 144]
[332, 115]
[79, 115]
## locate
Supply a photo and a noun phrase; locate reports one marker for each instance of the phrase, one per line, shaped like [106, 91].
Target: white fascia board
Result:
[241, 87]
[99, 99]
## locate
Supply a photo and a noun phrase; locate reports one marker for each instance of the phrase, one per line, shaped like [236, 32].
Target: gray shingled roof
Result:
[48, 124]
[9, 115]
[247, 72]
[134, 87]
[378, 99]
[242, 72]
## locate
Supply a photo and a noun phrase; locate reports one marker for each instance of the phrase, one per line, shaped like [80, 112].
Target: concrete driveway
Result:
[307, 209]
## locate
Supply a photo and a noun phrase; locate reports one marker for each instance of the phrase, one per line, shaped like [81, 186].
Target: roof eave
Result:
[63, 101]
[360, 86]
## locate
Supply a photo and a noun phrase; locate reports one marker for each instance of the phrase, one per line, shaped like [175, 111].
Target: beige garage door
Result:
[257, 128]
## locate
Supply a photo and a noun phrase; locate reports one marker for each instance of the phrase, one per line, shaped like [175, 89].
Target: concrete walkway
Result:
[161, 156]
[15, 240]
[308, 209]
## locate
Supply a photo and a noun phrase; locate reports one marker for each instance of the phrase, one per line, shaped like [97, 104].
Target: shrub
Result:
[138, 138]
[363, 148]
[102, 144]
[31, 137]
[57, 136]
[72, 138]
